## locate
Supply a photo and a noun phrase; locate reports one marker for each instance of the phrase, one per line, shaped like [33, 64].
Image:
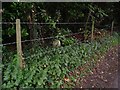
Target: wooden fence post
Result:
[112, 27]
[18, 40]
[92, 33]
[87, 20]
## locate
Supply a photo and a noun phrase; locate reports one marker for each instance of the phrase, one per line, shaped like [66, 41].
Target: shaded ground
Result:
[105, 73]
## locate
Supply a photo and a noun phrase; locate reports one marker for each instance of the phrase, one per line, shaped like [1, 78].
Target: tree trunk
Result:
[40, 34]
[33, 20]
[30, 27]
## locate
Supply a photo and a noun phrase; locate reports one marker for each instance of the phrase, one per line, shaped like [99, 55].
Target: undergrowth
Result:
[50, 67]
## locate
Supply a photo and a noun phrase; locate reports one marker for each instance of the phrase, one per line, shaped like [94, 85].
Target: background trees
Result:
[53, 13]
[48, 67]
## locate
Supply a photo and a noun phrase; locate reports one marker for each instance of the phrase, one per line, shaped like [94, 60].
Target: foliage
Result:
[62, 36]
[53, 13]
[96, 11]
[68, 41]
[50, 66]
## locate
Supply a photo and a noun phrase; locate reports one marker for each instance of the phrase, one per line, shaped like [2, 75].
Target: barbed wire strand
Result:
[39, 39]
[44, 23]
[35, 55]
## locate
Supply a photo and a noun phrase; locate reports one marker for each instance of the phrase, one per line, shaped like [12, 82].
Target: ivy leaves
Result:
[50, 69]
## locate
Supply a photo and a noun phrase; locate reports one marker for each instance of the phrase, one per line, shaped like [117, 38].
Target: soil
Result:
[105, 74]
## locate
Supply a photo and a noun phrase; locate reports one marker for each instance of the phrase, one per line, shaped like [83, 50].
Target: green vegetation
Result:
[53, 13]
[49, 67]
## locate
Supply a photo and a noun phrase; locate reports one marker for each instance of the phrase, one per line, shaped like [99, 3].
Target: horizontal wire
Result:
[39, 39]
[8, 44]
[43, 23]
[34, 55]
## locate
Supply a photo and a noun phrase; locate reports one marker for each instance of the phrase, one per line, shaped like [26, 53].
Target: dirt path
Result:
[105, 74]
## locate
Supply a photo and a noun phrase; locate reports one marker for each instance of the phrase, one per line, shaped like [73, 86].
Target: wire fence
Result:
[48, 51]
[33, 53]
[44, 38]
[38, 39]
[37, 23]
[45, 23]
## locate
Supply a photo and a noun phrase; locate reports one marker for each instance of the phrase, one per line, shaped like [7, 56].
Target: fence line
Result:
[34, 55]
[38, 54]
[39, 39]
[44, 23]
[19, 45]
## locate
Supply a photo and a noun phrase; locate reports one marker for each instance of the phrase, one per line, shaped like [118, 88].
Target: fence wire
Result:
[62, 47]
[29, 23]
[38, 39]
[45, 23]
[34, 54]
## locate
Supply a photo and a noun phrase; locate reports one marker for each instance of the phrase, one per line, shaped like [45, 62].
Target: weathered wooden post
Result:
[93, 24]
[112, 27]
[18, 40]
[87, 20]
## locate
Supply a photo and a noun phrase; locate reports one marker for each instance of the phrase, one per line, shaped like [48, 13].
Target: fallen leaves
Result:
[67, 79]
[104, 73]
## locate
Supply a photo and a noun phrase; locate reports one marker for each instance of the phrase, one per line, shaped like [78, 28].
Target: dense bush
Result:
[48, 67]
